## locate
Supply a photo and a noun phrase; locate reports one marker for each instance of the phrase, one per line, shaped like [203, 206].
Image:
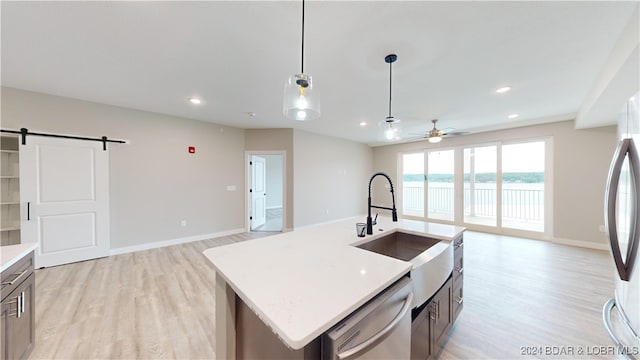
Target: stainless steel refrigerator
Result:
[621, 314]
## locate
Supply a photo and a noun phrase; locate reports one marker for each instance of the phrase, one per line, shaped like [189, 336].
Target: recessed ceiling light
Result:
[503, 89]
[363, 123]
[195, 101]
[513, 116]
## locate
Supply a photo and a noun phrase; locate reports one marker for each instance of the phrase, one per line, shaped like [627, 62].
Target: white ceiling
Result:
[236, 56]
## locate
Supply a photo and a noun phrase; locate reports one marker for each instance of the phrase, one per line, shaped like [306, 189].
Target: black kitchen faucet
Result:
[394, 213]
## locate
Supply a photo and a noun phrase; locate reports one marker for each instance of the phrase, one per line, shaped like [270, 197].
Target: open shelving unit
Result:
[10, 190]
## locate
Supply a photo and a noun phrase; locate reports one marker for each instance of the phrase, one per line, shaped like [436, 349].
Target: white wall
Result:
[155, 183]
[326, 177]
[580, 165]
[331, 177]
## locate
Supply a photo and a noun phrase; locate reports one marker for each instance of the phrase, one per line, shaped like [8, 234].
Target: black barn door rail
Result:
[24, 132]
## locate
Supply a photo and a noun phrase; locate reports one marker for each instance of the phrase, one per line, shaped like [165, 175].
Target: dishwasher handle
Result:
[375, 339]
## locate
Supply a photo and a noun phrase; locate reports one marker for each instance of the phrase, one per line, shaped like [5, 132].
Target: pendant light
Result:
[390, 126]
[300, 98]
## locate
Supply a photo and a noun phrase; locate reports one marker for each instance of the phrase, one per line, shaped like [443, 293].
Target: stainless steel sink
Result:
[400, 245]
[431, 260]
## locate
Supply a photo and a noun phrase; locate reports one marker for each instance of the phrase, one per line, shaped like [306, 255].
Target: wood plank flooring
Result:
[159, 304]
[153, 304]
[520, 293]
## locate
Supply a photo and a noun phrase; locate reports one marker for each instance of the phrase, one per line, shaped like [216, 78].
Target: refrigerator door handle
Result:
[606, 318]
[625, 149]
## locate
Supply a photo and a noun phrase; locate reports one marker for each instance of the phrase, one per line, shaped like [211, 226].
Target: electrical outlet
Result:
[183, 223]
[602, 229]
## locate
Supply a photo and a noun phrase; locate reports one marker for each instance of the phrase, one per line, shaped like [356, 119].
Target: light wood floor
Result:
[159, 303]
[520, 293]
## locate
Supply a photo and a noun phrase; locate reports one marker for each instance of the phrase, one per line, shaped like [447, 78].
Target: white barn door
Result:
[64, 187]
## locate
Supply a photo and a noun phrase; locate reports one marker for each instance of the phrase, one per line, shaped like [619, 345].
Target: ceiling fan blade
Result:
[415, 138]
[456, 133]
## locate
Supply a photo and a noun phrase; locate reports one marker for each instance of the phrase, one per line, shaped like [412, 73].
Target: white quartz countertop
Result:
[303, 282]
[10, 254]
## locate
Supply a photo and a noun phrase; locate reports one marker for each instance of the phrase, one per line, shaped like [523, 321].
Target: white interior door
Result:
[258, 191]
[64, 187]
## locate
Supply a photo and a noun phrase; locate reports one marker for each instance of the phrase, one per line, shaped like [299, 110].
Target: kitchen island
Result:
[11, 254]
[17, 303]
[303, 282]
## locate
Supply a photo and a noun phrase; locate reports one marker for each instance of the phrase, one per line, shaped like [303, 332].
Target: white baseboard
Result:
[159, 244]
[583, 244]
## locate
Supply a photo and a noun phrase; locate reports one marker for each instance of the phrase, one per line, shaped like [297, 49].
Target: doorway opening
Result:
[265, 197]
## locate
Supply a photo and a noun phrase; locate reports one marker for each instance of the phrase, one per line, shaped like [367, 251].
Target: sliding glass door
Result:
[501, 186]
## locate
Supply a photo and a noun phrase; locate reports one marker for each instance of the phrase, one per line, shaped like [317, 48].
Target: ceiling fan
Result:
[435, 135]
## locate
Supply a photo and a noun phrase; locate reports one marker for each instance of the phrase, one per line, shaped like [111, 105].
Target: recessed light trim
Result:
[363, 123]
[503, 89]
[513, 116]
[195, 101]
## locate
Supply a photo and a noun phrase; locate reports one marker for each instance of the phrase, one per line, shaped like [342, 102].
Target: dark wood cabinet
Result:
[421, 333]
[431, 324]
[17, 310]
[440, 316]
[5, 310]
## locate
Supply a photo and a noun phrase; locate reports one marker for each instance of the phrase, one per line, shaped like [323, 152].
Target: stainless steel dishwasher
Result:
[380, 329]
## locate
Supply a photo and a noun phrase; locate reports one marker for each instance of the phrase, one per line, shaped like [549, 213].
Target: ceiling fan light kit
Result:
[435, 135]
[301, 99]
[390, 126]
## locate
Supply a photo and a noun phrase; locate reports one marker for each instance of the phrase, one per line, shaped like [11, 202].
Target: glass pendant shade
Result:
[301, 100]
[389, 129]
[435, 139]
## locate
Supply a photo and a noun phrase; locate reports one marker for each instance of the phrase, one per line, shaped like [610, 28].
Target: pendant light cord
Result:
[302, 56]
[390, 67]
